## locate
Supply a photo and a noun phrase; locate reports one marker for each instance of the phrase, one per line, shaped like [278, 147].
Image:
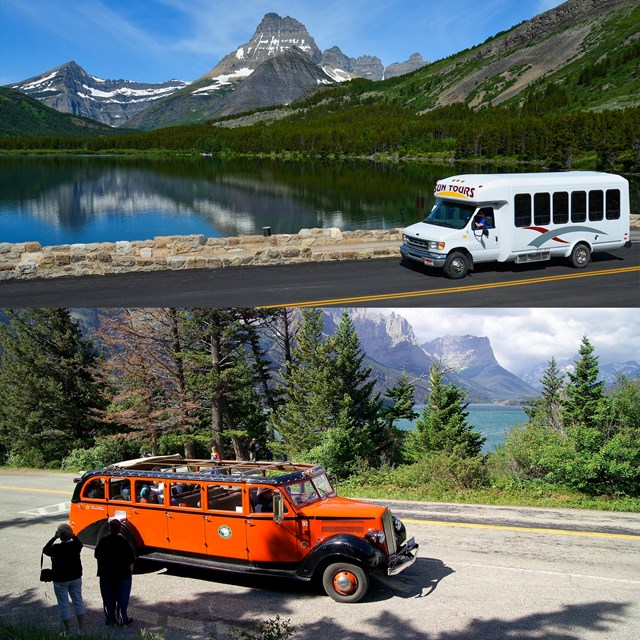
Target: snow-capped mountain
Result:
[273, 36]
[70, 89]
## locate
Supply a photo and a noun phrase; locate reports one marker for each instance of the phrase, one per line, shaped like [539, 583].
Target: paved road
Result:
[612, 280]
[495, 573]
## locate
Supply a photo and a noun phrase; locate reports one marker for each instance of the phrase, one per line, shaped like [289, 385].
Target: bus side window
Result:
[94, 490]
[185, 495]
[541, 208]
[120, 489]
[522, 209]
[578, 206]
[224, 498]
[613, 204]
[147, 492]
[561, 207]
[596, 205]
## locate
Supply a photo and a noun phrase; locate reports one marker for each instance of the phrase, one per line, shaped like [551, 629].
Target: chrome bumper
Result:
[404, 558]
[423, 257]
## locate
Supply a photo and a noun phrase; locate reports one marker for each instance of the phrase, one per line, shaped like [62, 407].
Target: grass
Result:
[542, 496]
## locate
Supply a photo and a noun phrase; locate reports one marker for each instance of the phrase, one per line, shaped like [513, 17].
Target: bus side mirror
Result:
[485, 232]
[278, 507]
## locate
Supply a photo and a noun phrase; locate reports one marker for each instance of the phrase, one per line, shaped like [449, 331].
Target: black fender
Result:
[343, 547]
[91, 535]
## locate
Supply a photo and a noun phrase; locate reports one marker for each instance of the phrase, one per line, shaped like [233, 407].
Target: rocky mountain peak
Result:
[273, 36]
[415, 61]
[461, 352]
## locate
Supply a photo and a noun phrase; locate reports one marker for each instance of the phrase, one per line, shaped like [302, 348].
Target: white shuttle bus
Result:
[521, 217]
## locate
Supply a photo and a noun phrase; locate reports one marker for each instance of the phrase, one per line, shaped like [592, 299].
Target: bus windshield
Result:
[311, 490]
[451, 215]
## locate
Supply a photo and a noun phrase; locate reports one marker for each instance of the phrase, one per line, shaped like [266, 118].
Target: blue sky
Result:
[156, 40]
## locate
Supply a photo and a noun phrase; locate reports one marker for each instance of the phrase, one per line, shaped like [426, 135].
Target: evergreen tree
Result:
[443, 424]
[402, 407]
[146, 370]
[353, 383]
[218, 375]
[583, 405]
[363, 435]
[402, 396]
[546, 410]
[308, 389]
[51, 399]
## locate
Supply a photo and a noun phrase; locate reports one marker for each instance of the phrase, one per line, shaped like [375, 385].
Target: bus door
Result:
[119, 498]
[148, 513]
[485, 245]
[185, 518]
[268, 541]
[224, 522]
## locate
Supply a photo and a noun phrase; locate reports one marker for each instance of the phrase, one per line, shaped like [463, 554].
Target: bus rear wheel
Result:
[345, 582]
[580, 256]
[456, 265]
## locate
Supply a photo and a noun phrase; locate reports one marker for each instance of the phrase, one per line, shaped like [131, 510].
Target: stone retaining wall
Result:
[31, 260]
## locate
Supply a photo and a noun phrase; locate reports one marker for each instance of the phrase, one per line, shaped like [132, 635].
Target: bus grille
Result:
[389, 532]
[417, 244]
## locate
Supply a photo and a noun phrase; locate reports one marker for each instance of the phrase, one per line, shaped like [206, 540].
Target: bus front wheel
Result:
[456, 265]
[345, 582]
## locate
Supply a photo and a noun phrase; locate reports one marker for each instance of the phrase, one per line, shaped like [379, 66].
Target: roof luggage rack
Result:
[176, 463]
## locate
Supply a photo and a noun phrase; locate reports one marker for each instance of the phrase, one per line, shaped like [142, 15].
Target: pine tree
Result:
[146, 370]
[402, 396]
[357, 408]
[546, 410]
[308, 389]
[584, 404]
[218, 374]
[51, 399]
[443, 424]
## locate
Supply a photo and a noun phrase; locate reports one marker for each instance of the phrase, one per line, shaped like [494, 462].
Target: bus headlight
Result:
[436, 246]
[376, 536]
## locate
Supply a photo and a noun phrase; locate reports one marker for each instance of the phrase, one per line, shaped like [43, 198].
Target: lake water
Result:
[64, 200]
[492, 420]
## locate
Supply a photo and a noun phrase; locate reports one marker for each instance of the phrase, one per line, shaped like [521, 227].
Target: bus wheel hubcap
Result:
[345, 582]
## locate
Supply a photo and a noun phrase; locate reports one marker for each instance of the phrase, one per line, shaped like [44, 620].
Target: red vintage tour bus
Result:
[262, 518]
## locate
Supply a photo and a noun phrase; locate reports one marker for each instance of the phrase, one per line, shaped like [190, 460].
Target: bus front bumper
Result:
[404, 558]
[423, 257]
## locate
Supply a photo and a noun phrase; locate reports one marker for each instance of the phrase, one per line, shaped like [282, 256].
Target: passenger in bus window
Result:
[96, 489]
[262, 500]
[146, 495]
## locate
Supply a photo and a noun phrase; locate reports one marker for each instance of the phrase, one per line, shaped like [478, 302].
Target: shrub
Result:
[106, 452]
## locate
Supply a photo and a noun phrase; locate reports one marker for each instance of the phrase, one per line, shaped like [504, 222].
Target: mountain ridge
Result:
[68, 88]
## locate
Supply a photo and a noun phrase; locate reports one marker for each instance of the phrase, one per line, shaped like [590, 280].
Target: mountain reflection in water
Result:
[64, 200]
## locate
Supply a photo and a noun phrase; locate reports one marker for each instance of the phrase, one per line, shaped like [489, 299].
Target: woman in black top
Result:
[64, 549]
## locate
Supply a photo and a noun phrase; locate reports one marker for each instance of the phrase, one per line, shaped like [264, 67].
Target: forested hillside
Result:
[164, 381]
[20, 114]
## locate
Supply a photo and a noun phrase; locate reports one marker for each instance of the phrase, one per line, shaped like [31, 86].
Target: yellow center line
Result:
[561, 532]
[34, 490]
[458, 289]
